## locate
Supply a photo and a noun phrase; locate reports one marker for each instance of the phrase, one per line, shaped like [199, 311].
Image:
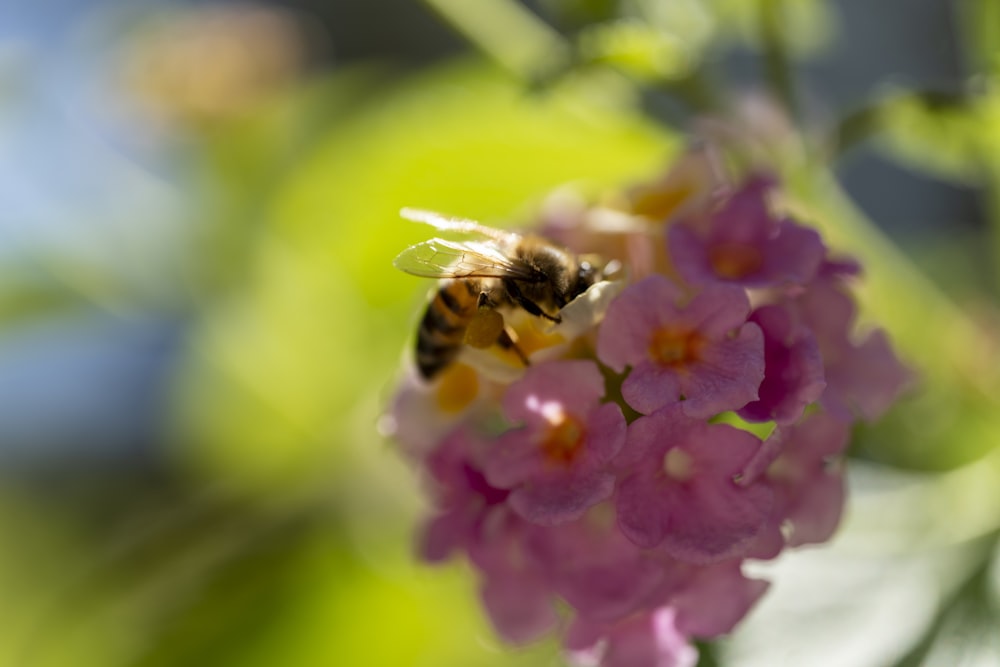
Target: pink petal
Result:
[715, 600]
[514, 457]
[442, 535]
[641, 518]
[794, 256]
[519, 607]
[688, 255]
[769, 543]
[649, 641]
[556, 501]
[793, 373]
[718, 521]
[727, 376]
[606, 430]
[816, 514]
[612, 590]
[577, 384]
[717, 310]
[650, 387]
[871, 378]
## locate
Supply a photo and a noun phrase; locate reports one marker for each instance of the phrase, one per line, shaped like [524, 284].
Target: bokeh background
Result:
[200, 324]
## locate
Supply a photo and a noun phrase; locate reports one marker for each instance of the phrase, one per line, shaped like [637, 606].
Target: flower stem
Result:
[777, 63]
[490, 24]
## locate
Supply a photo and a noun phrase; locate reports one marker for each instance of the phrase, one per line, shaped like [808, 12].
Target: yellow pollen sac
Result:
[457, 388]
[563, 440]
[734, 260]
[484, 329]
[678, 465]
[674, 347]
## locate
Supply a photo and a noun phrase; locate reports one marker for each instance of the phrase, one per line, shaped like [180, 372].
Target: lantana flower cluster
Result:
[684, 417]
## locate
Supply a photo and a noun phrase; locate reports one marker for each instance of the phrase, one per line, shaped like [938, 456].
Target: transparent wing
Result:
[439, 258]
[459, 225]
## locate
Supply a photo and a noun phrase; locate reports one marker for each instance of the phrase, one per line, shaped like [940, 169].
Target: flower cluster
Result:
[682, 419]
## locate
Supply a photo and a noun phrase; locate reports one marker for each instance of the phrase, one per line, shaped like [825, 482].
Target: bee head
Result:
[592, 269]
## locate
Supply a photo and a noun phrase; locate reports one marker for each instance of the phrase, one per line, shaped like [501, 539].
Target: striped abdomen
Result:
[442, 329]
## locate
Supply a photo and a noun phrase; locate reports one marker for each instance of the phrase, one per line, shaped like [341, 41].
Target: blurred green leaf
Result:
[489, 25]
[936, 134]
[23, 298]
[979, 23]
[242, 162]
[574, 14]
[809, 26]
[124, 571]
[636, 48]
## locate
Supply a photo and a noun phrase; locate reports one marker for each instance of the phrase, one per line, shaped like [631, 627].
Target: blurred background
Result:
[200, 323]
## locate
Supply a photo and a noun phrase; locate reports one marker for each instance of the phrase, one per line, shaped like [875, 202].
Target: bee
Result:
[502, 271]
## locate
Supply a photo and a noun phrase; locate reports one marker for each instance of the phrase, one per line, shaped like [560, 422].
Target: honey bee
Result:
[503, 271]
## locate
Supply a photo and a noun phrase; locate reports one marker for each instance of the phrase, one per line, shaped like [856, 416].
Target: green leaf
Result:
[979, 23]
[937, 134]
[636, 48]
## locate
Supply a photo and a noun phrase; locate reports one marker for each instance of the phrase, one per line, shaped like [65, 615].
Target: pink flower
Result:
[474, 518]
[464, 497]
[702, 351]
[744, 244]
[863, 377]
[679, 491]
[637, 533]
[714, 599]
[645, 640]
[691, 601]
[421, 415]
[515, 590]
[793, 369]
[595, 568]
[807, 479]
[557, 462]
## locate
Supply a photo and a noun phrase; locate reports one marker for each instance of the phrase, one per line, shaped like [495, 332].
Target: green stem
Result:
[777, 62]
[991, 197]
[505, 31]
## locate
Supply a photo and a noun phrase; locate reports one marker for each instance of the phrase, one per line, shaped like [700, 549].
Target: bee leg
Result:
[527, 303]
[508, 341]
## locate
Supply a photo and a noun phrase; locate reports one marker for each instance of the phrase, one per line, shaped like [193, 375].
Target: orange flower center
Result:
[563, 440]
[675, 347]
[734, 260]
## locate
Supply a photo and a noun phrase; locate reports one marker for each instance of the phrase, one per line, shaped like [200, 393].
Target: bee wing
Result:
[439, 258]
[452, 224]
